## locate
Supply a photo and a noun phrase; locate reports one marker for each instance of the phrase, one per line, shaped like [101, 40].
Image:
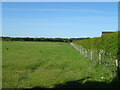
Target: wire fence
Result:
[98, 56]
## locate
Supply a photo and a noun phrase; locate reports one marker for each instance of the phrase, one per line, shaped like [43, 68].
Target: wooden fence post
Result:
[91, 55]
[100, 57]
[116, 63]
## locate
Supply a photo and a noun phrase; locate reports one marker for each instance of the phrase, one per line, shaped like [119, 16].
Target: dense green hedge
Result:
[108, 43]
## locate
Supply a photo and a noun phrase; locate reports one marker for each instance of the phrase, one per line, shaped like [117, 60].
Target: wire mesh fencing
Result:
[97, 56]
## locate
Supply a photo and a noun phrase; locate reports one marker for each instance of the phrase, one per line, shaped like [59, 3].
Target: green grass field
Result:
[46, 64]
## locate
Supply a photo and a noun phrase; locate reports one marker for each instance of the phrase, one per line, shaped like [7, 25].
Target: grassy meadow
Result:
[47, 64]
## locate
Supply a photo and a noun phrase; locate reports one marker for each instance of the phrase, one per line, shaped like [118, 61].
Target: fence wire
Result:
[97, 56]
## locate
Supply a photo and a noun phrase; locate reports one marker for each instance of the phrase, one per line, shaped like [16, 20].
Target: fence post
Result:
[86, 53]
[118, 73]
[100, 57]
[116, 63]
[91, 55]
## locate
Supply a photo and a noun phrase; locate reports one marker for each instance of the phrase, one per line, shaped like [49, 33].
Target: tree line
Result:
[36, 39]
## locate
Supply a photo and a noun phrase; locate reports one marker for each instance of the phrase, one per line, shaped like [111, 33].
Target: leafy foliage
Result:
[108, 43]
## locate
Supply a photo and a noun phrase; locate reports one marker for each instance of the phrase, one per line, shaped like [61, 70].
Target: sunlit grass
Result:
[30, 64]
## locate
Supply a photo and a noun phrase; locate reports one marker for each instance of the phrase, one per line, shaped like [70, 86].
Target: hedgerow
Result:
[106, 50]
[108, 43]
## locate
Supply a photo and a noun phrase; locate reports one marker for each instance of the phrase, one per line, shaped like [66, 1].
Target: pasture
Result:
[48, 65]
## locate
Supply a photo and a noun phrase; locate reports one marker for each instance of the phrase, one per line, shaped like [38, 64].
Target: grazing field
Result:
[49, 65]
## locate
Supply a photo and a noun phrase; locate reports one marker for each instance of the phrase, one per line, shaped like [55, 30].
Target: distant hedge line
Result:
[36, 39]
[108, 42]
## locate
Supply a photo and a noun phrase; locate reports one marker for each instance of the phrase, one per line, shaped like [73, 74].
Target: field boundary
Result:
[98, 56]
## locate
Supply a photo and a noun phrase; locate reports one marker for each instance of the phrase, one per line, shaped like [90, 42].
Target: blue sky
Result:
[60, 19]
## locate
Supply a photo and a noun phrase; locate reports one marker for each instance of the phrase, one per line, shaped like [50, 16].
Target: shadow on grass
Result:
[89, 84]
[78, 84]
